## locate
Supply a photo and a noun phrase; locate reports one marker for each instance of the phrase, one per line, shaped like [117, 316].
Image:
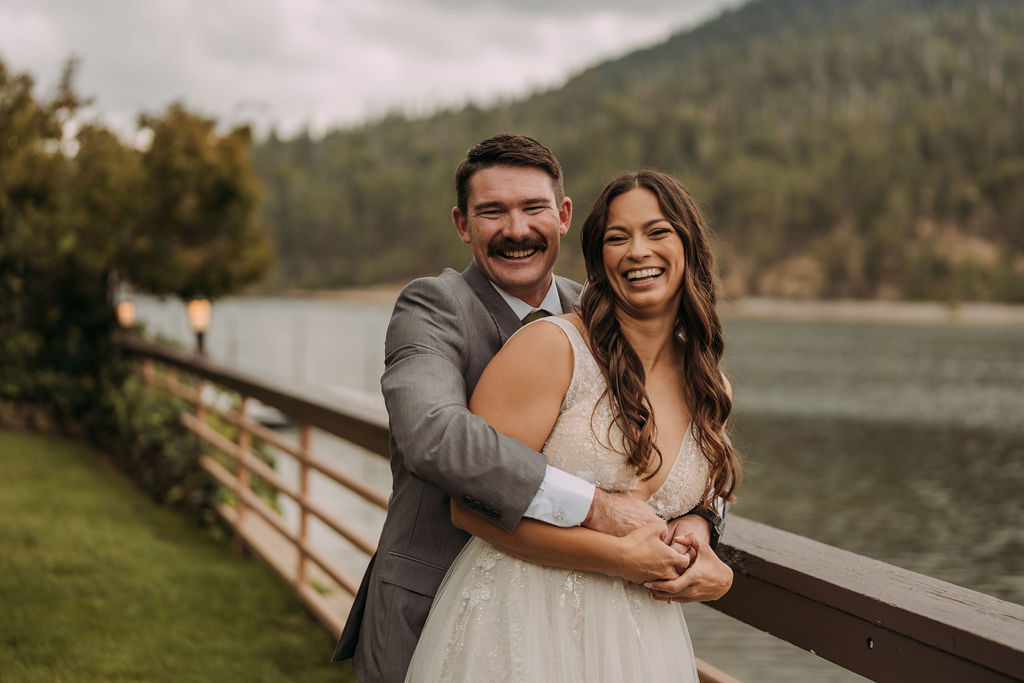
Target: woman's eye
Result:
[614, 239]
[660, 232]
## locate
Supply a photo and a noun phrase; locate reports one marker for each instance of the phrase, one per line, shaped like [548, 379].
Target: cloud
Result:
[322, 62]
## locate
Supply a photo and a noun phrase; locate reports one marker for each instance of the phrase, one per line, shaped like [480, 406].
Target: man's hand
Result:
[644, 556]
[617, 514]
[690, 524]
[707, 577]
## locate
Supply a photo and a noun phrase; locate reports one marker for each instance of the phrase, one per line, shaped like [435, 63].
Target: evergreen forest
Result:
[841, 148]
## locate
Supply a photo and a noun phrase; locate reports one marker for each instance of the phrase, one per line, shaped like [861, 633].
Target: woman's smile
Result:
[643, 276]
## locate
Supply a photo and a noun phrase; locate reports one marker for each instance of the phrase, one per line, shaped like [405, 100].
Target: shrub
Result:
[140, 428]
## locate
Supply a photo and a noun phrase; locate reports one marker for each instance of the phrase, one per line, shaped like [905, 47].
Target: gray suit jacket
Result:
[443, 332]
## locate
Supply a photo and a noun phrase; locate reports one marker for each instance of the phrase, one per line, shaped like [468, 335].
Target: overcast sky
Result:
[323, 62]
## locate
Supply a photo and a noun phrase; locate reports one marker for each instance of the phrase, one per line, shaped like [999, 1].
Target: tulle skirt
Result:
[497, 618]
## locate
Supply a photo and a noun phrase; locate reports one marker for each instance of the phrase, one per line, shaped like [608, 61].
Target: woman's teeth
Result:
[634, 275]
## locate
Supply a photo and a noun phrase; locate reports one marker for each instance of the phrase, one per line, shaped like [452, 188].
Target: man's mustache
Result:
[504, 244]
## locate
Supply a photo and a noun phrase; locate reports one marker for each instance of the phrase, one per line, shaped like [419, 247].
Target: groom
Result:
[512, 211]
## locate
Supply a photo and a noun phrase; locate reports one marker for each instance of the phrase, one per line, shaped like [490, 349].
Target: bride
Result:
[626, 393]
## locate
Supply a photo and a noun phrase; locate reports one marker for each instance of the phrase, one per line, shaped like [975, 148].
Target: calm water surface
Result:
[902, 443]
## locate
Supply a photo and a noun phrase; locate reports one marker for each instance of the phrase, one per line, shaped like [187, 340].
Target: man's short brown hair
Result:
[506, 149]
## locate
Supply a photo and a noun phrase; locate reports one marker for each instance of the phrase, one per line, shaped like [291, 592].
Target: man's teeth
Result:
[521, 253]
[641, 274]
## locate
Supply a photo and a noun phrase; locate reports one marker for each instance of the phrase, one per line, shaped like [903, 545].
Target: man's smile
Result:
[516, 250]
[519, 253]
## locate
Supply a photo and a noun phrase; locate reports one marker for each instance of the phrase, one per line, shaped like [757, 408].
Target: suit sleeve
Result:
[440, 440]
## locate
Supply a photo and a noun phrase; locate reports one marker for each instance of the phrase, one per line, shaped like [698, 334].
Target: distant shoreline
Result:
[879, 312]
[763, 308]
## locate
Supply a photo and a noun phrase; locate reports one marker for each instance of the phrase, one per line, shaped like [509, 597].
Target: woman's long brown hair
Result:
[700, 337]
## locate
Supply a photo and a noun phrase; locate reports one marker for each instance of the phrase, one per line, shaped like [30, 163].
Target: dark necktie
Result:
[535, 315]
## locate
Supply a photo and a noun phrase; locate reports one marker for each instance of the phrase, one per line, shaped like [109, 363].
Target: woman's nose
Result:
[638, 248]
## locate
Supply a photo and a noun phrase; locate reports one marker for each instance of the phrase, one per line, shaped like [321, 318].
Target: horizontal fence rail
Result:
[880, 621]
[877, 620]
[255, 521]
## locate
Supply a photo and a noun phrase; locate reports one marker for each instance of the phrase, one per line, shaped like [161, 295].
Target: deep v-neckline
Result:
[672, 467]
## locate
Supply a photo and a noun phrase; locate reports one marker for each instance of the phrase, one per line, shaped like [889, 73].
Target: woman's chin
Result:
[647, 302]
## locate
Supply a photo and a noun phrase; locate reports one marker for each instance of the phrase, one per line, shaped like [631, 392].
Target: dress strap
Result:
[583, 363]
[571, 331]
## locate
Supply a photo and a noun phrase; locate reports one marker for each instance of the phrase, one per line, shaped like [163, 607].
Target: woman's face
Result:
[644, 259]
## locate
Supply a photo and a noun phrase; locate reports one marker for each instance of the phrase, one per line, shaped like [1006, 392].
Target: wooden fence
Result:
[880, 621]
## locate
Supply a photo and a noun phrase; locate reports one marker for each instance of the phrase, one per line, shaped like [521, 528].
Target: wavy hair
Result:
[699, 337]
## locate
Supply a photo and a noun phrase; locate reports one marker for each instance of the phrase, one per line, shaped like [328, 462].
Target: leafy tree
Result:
[197, 232]
[177, 217]
[51, 335]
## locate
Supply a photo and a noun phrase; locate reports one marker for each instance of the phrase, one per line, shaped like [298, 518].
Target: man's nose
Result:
[517, 227]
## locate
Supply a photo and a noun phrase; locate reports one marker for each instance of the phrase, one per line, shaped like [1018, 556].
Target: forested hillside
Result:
[842, 148]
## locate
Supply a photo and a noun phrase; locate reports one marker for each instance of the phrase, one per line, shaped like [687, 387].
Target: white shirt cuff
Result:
[562, 499]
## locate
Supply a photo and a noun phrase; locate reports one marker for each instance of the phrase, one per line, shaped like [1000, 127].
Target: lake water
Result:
[904, 443]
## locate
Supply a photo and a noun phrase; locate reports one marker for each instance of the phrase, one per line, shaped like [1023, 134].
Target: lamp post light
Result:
[126, 313]
[199, 313]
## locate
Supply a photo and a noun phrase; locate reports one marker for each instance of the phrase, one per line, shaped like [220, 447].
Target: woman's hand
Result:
[707, 577]
[645, 556]
[682, 548]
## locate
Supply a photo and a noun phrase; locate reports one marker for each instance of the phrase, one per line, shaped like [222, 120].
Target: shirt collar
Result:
[551, 303]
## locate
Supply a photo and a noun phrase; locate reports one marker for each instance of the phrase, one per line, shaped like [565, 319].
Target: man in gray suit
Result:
[512, 211]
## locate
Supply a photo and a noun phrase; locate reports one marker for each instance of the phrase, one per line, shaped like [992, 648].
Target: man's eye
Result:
[536, 208]
[490, 213]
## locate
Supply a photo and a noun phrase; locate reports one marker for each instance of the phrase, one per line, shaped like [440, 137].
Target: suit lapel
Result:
[502, 315]
[568, 293]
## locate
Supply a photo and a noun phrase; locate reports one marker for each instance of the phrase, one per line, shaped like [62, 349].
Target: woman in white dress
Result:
[626, 393]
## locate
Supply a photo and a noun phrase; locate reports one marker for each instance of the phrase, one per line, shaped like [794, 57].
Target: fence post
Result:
[171, 379]
[305, 433]
[148, 371]
[244, 475]
[200, 405]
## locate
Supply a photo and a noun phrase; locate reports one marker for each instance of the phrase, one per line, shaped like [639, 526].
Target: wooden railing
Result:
[257, 524]
[879, 621]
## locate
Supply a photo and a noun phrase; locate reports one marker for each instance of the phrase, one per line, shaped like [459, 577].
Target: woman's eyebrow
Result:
[645, 225]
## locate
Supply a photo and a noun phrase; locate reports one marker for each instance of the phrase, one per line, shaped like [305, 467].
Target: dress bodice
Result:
[585, 440]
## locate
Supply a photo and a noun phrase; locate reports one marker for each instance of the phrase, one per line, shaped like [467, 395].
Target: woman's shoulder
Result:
[535, 366]
[574, 318]
[549, 334]
[726, 384]
[554, 331]
[567, 322]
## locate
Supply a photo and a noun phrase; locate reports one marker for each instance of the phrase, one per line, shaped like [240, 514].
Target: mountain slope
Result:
[841, 148]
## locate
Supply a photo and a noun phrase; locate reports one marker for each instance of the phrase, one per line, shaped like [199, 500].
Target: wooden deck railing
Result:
[880, 621]
[255, 521]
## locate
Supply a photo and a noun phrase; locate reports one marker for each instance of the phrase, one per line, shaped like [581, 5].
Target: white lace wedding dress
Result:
[498, 618]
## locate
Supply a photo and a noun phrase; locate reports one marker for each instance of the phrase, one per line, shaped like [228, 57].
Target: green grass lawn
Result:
[98, 583]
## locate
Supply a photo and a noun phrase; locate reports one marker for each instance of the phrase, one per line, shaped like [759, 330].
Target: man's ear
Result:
[461, 224]
[564, 216]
